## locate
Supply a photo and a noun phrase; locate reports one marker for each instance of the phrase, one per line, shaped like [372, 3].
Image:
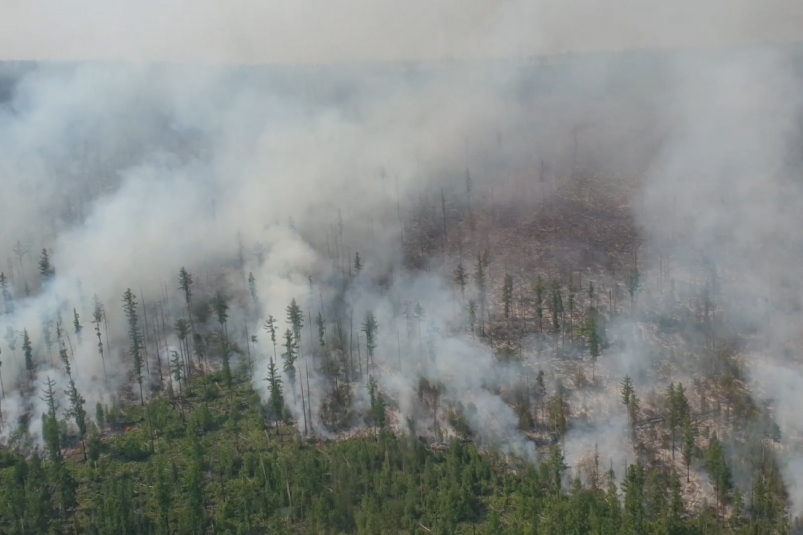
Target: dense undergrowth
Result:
[212, 462]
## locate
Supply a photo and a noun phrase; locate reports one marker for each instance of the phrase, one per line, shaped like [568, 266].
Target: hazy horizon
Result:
[316, 32]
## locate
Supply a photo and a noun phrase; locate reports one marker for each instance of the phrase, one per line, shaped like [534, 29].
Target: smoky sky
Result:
[317, 31]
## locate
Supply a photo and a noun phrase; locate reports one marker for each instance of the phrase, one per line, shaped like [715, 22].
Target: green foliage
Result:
[378, 407]
[627, 390]
[558, 411]
[718, 470]
[27, 349]
[239, 479]
[135, 338]
[319, 321]
[176, 368]
[295, 318]
[592, 334]
[100, 415]
[276, 401]
[289, 357]
[370, 327]
[77, 411]
[185, 285]
[132, 447]
[76, 322]
[50, 424]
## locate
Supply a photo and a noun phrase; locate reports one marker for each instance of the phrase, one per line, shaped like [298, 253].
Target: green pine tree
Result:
[276, 402]
[76, 322]
[289, 357]
[369, 327]
[27, 349]
[46, 269]
[135, 338]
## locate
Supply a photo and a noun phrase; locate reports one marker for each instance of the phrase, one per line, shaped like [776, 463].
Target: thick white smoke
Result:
[127, 172]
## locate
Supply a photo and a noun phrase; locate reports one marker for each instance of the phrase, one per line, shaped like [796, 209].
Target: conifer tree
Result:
[718, 471]
[77, 411]
[557, 466]
[357, 263]
[50, 423]
[276, 401]
[175, 369]
[94, 444]
[558, 411]
[47, 325]
[185, 285]
[369, 327]
[27, 348]
[100, 415]
[182, 328]
[633, 487]
[97, 316]
[687, 446]
[295, 317]
[77, 325]
[378, 407]
[289, 357]
[8, 300]
[460, 277]
[321, 329]
[221, 311]
[270, 326]
[46, 269]
[677, 508]
[135, 338]
[627, 390]
[681, 403]
[632, 411]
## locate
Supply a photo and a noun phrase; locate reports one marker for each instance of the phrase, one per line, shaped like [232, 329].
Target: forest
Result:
[542, 296]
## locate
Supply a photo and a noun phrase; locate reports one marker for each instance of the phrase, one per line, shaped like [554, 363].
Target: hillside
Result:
[485, 297]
